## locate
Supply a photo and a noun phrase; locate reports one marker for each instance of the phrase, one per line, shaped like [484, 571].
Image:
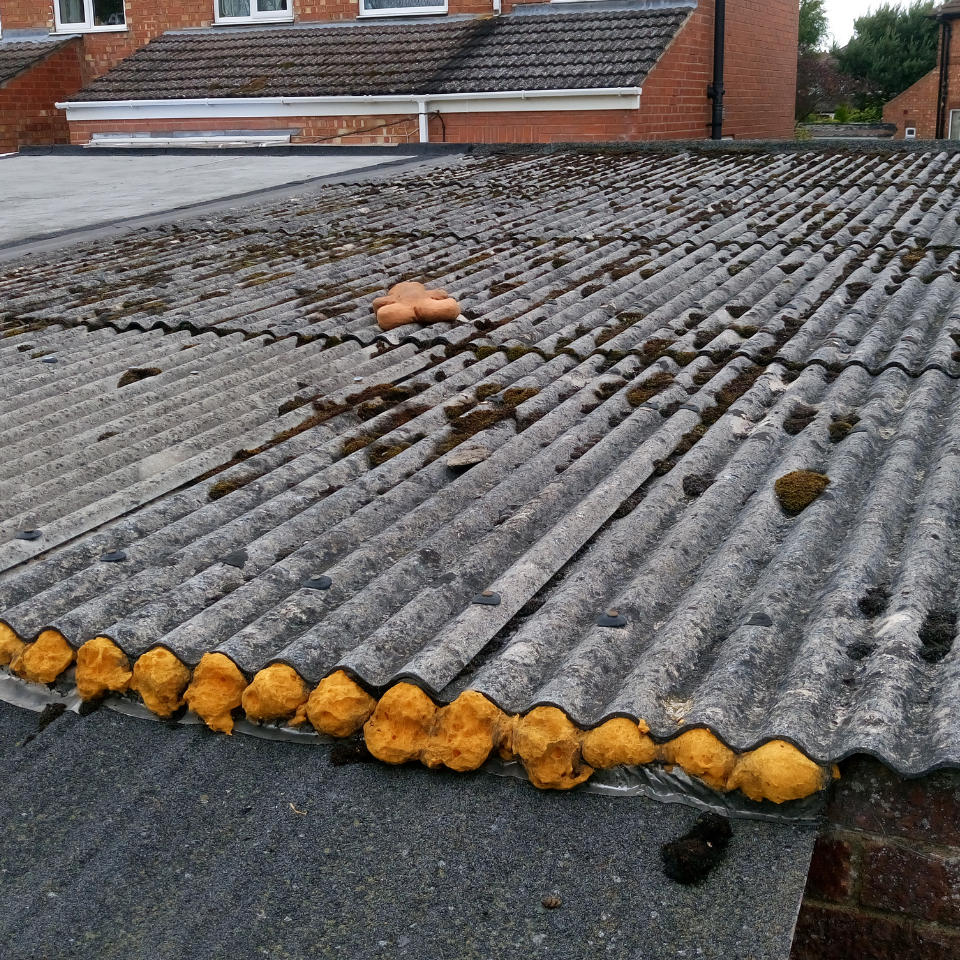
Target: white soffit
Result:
[610, 98]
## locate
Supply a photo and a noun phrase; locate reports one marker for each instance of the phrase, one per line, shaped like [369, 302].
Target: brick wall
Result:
[27, 112]
[533, 127]
[884, 883]
[917, 105]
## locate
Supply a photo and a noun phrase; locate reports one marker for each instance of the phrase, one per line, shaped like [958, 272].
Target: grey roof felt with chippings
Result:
[15, 57]
[127, 840]
[751, 286]
[563, 51]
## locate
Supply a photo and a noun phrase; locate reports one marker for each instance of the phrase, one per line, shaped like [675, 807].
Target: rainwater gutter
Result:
[598, 98]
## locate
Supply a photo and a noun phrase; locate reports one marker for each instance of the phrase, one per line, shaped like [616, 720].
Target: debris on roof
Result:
[654, 341]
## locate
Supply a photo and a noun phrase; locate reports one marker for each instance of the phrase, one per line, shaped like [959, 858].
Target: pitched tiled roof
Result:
[564, 51]
[679, 332]
[17, 57]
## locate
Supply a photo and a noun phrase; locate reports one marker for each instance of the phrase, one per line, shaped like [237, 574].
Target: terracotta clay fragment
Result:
[414, 303]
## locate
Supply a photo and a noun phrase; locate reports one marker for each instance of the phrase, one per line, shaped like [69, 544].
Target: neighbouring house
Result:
[389, 71]
[930, 109]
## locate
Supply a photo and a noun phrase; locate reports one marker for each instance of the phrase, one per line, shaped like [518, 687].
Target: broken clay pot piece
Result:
[413, 303]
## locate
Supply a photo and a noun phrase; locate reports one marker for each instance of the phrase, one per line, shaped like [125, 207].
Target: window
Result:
[910, 133]
[400, 8]
[243, 11]
[77, 16]
[954, 132]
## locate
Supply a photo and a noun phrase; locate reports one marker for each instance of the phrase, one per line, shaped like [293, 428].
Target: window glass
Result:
[234, 8]
[71, 11]
[269, 6]
[107, 13]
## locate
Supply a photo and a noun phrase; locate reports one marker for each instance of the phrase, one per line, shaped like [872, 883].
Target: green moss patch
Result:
[798, 489]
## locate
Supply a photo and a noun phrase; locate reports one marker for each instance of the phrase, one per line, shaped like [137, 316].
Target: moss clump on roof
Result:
[798, 489]
[841, 426]
[801, 416]
[649, 388]
[222, 487]
[136, 374]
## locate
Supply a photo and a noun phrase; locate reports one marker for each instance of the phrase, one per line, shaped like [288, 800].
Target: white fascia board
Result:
[606, 98]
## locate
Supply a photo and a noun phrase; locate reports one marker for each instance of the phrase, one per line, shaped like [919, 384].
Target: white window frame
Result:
[437, 10]
[953, 133]
[88, 26]
[256, 16]
[910, 133]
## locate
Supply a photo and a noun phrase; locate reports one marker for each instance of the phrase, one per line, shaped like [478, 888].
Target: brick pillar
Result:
[884, 883]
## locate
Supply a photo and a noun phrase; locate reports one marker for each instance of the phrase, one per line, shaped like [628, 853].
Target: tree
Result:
[813, 25]
[821, 87]
[891, 49]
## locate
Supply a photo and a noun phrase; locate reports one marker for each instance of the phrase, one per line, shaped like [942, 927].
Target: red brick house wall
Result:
[917, 105]
[27, 111]
[884, 883]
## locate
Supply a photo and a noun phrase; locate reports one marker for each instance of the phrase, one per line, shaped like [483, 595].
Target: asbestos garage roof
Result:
[17, 56]
[649, 342]
[516, 52]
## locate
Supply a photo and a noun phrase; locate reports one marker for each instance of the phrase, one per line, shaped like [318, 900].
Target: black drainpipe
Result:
[943, 89]
[715, 91]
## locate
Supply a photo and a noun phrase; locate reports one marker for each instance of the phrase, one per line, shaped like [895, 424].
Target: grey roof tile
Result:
[18, 56]
[514, 52]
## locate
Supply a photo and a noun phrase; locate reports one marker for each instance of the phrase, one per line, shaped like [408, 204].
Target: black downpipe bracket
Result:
[715, 91]
[944, 86]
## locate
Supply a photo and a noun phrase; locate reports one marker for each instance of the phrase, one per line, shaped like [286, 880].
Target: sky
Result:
[842, 13]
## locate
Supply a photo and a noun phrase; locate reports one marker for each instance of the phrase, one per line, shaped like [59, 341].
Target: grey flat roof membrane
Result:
[131, 839]
[678, 332]
[45, 196]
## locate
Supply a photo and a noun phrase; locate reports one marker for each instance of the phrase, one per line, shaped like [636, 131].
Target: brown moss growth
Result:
[136, 374]
[798, 489]
[276, 694]
[548, 745]
[222, 487]
[464, 733]
[470, 422]
[11, 646]
[102, 668]
[400, 726]
[45, 659]
[487, 390]
[339, 706]
[215, 691]
[514, 396]
[616, 742]
[160, 678]
[778, 771]
[702, 755]
[649, 388]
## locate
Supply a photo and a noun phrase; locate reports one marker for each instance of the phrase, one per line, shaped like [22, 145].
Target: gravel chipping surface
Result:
[132, 839]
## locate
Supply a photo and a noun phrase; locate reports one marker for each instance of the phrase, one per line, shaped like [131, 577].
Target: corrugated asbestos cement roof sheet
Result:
[648, 343]
[516, 52]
